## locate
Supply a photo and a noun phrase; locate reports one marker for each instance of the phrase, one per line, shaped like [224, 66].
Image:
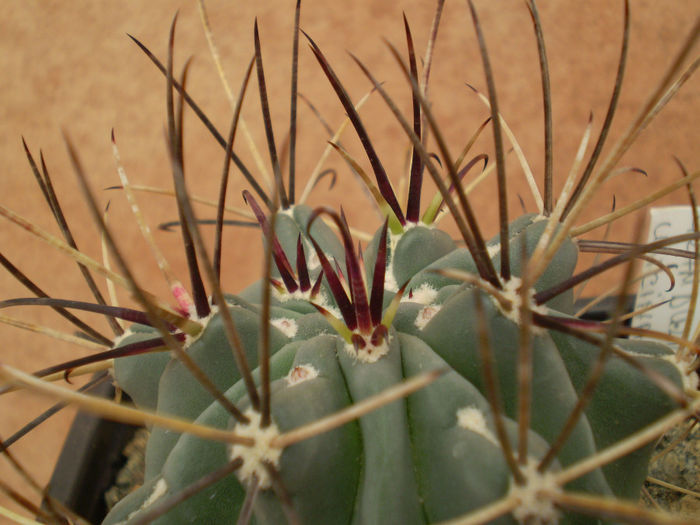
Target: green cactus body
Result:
[427, 458]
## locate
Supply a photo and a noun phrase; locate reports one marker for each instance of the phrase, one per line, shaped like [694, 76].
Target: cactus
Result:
[414, 381]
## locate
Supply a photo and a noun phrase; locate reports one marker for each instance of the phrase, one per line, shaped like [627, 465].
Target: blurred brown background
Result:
[68, 67]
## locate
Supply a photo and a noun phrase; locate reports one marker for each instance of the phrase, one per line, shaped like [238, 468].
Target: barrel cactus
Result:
[417, 379]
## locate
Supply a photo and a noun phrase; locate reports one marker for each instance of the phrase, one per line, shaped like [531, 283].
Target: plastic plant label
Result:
[669, 317]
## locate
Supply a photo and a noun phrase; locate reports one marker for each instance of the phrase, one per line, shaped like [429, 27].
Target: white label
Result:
[670, 317]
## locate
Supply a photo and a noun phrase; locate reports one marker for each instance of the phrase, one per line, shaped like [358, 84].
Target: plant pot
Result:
[90, 460]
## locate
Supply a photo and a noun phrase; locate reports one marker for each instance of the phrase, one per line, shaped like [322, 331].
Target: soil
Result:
[130, 477]
[678, 465]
